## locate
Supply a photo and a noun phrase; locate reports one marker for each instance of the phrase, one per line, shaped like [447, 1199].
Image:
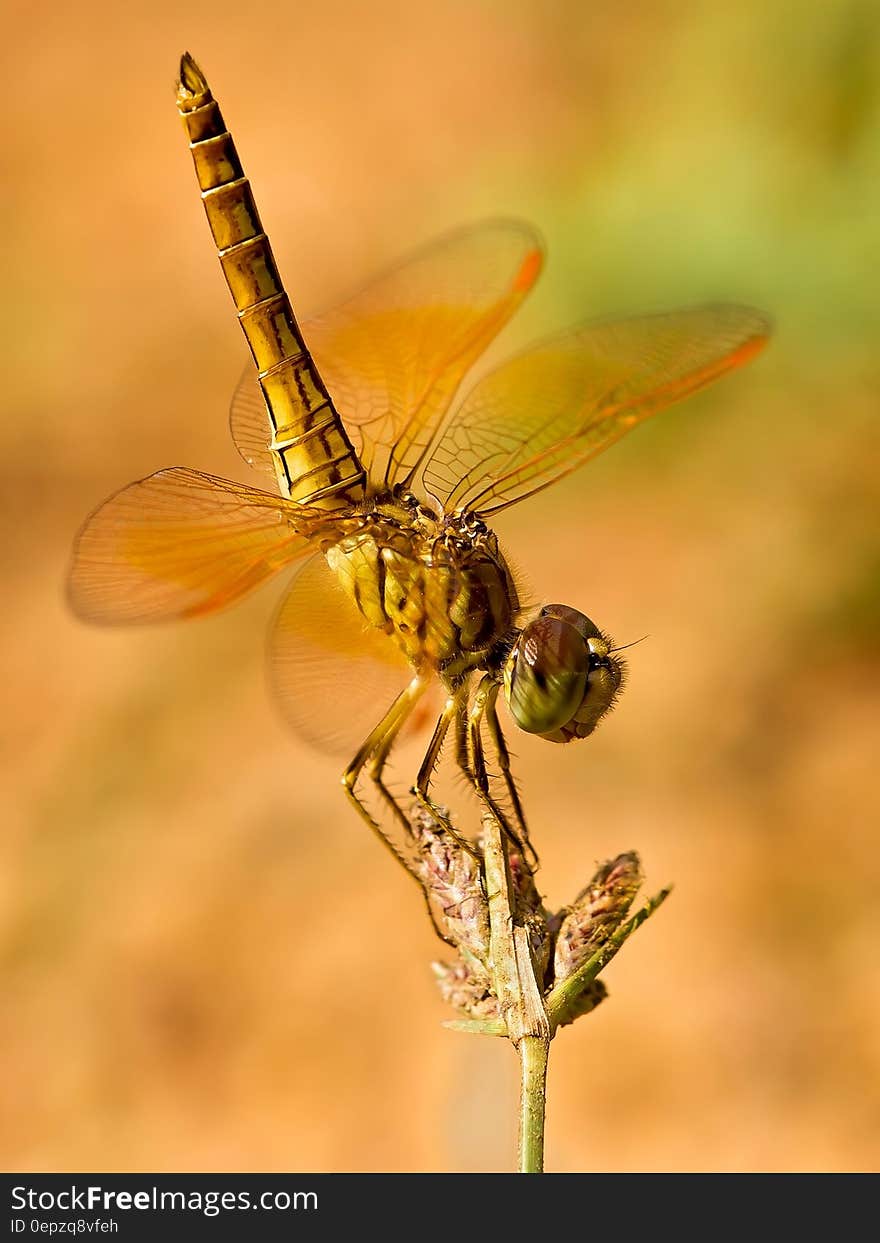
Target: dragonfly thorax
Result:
[440, 587]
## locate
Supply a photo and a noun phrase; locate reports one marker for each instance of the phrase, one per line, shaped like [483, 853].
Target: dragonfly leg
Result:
[452, 711]
[483, 707]
[376, 770]
[501, 750]
[376, 747]
[374, 752]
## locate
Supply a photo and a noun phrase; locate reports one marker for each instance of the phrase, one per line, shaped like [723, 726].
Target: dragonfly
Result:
[380, 487]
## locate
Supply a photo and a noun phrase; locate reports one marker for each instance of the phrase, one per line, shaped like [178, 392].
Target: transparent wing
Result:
[549, 410]
[249, 423]
[178, 544]
[394, 354]
[333, 676]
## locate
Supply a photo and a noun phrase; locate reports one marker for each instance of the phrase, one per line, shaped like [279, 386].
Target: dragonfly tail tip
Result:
[192, 81]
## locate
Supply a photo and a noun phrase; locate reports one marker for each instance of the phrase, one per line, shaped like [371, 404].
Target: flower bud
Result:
[595, 913]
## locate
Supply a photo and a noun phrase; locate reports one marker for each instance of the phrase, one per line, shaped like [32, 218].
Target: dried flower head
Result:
[465, 985]
[453, 885]
[595, 913]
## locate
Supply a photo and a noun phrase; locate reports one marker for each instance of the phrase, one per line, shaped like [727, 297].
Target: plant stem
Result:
[519, 995]
[533, 1052]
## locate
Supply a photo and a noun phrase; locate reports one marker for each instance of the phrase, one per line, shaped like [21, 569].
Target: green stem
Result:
[518, 993]
[533, 1052]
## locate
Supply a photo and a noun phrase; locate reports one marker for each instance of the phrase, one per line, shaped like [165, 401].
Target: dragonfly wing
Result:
[549, 410]
[250, 424]
[181, 543]
[251, 428]
[333, 676]
[395, 354]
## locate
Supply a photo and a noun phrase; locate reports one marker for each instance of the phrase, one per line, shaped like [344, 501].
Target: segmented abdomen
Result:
[315, 460]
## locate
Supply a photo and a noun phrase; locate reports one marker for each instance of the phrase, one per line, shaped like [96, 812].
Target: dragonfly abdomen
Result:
[315, 460]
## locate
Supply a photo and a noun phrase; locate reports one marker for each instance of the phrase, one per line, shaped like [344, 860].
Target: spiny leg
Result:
[375, 750]
[476, 768]
[452, 711]
[379, 760]
[500, 744]
[461, 747]
[378, 743]
[376, 772]
[485, 697]
[463, 759]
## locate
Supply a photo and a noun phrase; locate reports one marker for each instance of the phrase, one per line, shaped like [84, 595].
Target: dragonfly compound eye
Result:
[560, 678]
[546, 675]
[580, 621]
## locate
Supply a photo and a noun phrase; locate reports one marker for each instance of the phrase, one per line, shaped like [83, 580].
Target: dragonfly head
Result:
[560, 678]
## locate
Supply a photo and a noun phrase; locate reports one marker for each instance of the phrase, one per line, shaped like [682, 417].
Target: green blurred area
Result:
[206, 964]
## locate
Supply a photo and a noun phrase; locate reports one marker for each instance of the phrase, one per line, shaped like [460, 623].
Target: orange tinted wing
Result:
[181, 543]
[551, 409]
[394, 354]
[334, 677]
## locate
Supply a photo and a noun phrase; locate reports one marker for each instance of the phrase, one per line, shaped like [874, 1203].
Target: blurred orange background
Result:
[207, 963]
